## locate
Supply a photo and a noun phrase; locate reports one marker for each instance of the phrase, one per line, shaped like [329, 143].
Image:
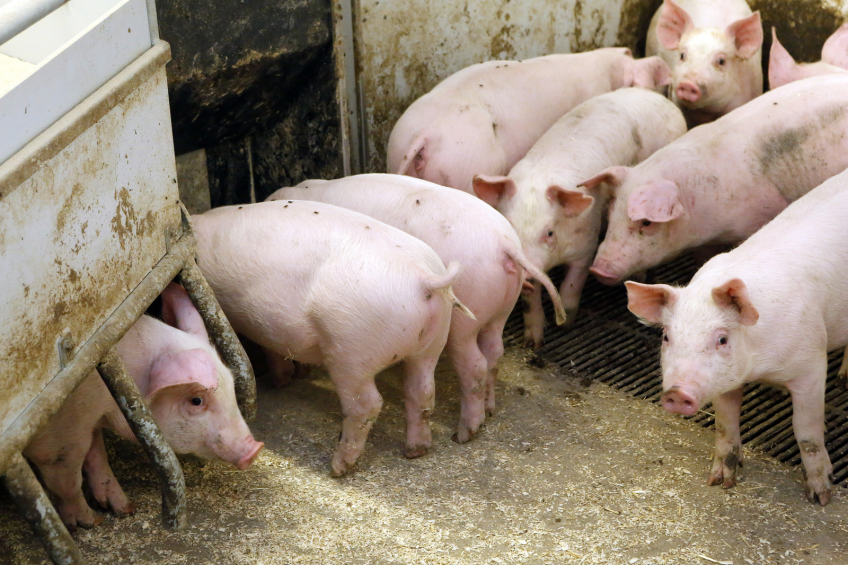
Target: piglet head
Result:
[710, 63]
[705, 342]
[643, 228]
[193, 402]
[191, 392]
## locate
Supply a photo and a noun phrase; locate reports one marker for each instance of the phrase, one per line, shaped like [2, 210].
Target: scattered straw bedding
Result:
[563, 473]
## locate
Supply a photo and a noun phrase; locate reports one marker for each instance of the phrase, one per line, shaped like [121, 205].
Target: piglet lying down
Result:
[188, 389]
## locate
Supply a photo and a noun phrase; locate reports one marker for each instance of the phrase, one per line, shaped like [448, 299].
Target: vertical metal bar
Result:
[39, 512]
[349, 109]
[222, 334]
[141, 422]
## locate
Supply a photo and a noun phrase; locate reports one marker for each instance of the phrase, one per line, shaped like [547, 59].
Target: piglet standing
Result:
[714, 49]
[769, 310]
[558, 221]
[835, 49]
[459, 228]
[721, 182]
[327, 286]
[188, 389]
[483, 119]
[783, 69]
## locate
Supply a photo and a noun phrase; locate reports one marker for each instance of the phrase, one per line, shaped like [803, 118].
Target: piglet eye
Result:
[197, 401]
[721, 61]
[646, 223]
[722, 340]
[665, 338]
[683, 56]
[550, 233]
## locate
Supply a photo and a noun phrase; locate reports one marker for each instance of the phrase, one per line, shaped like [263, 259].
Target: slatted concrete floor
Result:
[609, 345]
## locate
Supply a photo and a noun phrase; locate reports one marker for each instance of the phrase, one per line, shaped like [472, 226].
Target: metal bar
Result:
[35, 416]
[18, 15]
[344, 55]
[39, 512]
[131, 403]
[223, 335]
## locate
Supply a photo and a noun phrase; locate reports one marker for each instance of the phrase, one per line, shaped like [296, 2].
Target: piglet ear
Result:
[734, 294]
[650, 72]
[187, 367]
[782, 67]
[748, 35]
[493, 190]
[658, 201]
[573, 202]
[179, 312]
[673, 23]
[612, 177]
[648, 300]
[835, 50]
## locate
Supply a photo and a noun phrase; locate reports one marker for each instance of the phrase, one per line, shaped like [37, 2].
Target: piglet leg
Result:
[728, 446]
[808, 423]
[534, 317]
[419, 398]
[361, 403]
[572, 287]
[105, 487]
[490, 341]
[63, 476]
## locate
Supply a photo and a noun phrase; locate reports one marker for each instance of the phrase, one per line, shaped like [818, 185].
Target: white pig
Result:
[558, 221]
[459, 228]
[483, 119]
[783, 69]
[721, 182]
[835, 49]
[769, 310]
[327, 286]
[188, 389]
[714, 49]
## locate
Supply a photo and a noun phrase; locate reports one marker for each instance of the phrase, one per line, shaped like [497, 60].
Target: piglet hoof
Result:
[570, 317]
[722, 474]
[818, 489]
[533, 343]
[820, 495]
[340, 467]
[415, 452]
[127, 510]
[463, 436]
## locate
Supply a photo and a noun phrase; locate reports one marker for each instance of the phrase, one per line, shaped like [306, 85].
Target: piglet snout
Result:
[251, 451]
[688, 91]
[603, 273]
[677, 401]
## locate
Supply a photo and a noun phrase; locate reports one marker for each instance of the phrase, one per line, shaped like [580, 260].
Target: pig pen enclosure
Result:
[578, 464]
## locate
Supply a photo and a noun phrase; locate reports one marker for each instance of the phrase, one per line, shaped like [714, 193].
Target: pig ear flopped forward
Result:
[612, 177]
[748, 35]
[734, 294]
[651, 73]
[179, 312]
[187, 367]
[648, 300]
[674, 22]
[572, 202]
[658, 201]
[493, 190]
